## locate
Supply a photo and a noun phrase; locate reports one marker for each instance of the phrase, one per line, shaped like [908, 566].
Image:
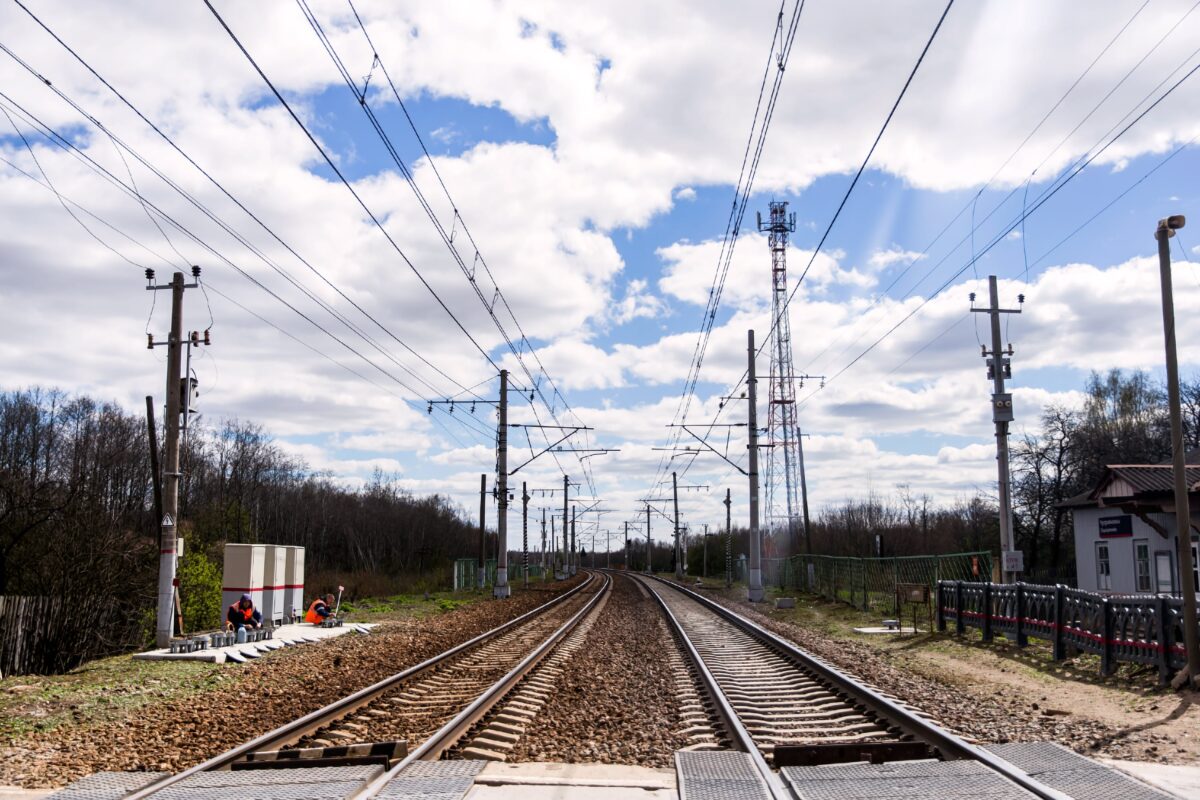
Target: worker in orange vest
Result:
[321, 609]
[243, 615]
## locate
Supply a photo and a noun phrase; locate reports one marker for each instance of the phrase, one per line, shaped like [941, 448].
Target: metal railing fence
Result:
[1142, 629]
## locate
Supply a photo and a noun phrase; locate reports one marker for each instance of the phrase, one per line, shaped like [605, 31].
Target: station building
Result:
[1125, 534]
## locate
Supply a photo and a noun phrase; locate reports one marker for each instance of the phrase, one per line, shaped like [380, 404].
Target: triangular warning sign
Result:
[167, 522]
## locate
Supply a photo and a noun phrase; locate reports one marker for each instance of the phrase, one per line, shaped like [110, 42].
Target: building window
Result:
[1141, 564]
[1195, 566]
[1103, 570]
[1164, 571]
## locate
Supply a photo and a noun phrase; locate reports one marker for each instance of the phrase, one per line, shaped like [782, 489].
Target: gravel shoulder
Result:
[120, 714]
[618, 701]
[997, 692]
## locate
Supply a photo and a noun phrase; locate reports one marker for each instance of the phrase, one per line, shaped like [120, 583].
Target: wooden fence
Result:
[1138, 629]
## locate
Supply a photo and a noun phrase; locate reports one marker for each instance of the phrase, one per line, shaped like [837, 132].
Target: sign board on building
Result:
[1014, 561]
[1111, 527]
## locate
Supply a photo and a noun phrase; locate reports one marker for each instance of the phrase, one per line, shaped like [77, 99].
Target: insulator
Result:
[149, 341]
[207, 338]
[430, 409]
[972, 297]
[195, 271]
[149, 275]
[1021, 299]
[196, 338]
[472, 406]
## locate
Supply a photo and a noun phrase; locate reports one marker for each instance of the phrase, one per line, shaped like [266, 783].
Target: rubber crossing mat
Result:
[1073, 774]
[718, 775]
[911, 780]
[433, 780]
[106, 786]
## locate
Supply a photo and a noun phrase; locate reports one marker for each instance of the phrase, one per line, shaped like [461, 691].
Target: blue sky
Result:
[593, 152]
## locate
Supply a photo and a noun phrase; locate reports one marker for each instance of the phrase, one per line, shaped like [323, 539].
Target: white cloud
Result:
[882, 259]
[687, 193]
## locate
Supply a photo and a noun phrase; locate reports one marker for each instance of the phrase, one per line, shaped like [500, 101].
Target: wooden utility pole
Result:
[501, 587]
[1183, 516]
[574, 553]
[754, 584]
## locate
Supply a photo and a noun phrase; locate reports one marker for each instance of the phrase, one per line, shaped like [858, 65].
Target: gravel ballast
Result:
[245, 701]
[618, 700]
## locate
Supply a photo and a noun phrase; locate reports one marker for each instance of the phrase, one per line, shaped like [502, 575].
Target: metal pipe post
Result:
[482, 571]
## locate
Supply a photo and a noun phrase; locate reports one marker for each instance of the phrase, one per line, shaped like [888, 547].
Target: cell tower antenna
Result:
[784, 454]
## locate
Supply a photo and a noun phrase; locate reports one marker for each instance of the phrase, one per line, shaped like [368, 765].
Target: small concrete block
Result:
[479, 754]
[234, 656]
[785, 602]
[249, 651]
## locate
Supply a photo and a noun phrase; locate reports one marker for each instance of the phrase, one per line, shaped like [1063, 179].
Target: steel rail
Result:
[293, 731]
[450, 733]
[948, 744]
[733, 724]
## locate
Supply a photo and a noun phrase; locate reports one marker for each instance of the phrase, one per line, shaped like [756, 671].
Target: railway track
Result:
[432, 705]
[784, 707]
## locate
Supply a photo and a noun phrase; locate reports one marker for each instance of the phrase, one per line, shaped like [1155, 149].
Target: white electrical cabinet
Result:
[293, 596]
[274, 584]
[243, 575]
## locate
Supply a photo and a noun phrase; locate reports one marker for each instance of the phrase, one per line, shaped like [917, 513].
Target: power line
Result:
[67, 201]
[1000, 236]
[448, 240]
[65, 144]
[220, 187]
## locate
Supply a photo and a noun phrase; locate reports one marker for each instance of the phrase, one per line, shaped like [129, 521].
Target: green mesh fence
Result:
[869, 583]
[466, 573]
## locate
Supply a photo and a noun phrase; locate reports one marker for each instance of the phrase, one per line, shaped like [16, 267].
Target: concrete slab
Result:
[1179, 780]
[283, 636]
[17, 793]
[547, 781]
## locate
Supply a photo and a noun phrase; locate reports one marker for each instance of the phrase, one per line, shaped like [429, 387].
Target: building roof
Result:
[1137, 483]
[1127, 480]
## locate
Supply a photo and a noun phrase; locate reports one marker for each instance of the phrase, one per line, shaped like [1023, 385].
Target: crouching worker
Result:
[243, 615]
[320, 610]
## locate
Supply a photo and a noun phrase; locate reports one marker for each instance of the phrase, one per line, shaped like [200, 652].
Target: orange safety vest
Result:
[311, 615]
[247, 613]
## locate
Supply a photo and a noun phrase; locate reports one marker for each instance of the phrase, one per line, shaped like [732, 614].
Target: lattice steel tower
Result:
[784, 469]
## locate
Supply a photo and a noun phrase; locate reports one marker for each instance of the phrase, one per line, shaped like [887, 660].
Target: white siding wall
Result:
[1121, 549]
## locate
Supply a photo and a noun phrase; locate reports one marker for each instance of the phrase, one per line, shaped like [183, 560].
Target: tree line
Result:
[77, 517]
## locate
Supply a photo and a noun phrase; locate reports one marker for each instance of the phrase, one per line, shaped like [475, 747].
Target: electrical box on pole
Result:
[179, 393]
[1000, 368]
[501, 588]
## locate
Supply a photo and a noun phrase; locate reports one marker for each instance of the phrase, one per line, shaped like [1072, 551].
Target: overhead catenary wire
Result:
[56, 138]
[448, 239]
[67, 201]
[1000, 236]
[220, 187]
[133, 192]
[921, 254]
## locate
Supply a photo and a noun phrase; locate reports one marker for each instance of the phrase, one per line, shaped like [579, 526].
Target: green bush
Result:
[199, 591]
